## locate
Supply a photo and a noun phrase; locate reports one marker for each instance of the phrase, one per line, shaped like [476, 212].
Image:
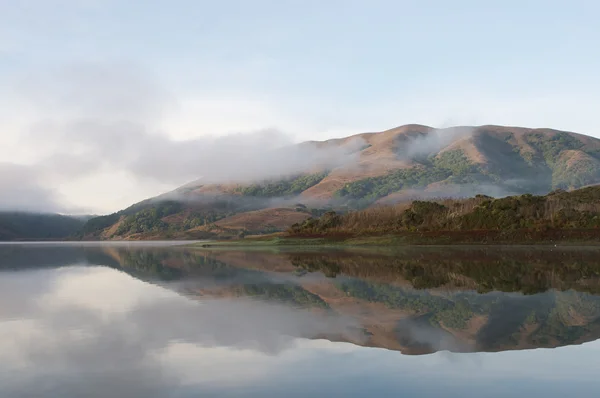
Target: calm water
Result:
[150, 321]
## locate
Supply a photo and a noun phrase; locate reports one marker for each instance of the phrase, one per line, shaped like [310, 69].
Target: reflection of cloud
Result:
[187, 361]
[99, 329]
[421, 334]
[97, 289]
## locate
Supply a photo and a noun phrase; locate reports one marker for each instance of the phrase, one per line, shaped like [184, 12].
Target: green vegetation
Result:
[166, 219]
[551, 146]
[285, 187]
[456, 162]
[262, 242]
[452, 167]
[97, 224]
[94, 226]
[558, 211]
[364, 192]
[149, 220]
[569, 173]
[509, 166]
[29, 226]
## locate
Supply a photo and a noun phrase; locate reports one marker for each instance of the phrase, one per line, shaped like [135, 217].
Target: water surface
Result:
[143, 320]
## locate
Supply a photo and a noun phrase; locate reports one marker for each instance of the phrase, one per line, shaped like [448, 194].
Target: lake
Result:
[158, 320]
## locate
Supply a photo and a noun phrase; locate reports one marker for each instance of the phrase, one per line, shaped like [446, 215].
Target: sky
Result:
[99, 99]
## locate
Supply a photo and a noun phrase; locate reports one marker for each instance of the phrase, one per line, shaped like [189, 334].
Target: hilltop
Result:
[397, 165]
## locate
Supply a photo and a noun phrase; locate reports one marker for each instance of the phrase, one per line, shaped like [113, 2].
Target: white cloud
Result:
[100, 289]
[23, 190]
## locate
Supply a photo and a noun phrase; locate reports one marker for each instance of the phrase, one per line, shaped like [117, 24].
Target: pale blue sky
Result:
[311, 69]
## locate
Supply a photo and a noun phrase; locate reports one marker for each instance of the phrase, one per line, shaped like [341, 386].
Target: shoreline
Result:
[392, 241]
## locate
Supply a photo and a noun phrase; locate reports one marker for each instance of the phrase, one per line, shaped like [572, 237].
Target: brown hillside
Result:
[259, 220]
[383, 152]
[482, 145]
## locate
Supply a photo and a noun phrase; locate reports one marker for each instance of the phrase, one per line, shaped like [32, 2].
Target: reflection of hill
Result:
[415, 300]
[478, 299]
[18, 257]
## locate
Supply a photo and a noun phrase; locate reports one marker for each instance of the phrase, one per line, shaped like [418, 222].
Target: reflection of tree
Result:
[172, 264]
[168, 265]
[330, 268]
[147, 263]
[526, 271]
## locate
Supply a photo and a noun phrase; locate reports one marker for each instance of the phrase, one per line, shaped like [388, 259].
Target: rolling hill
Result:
[404, 163]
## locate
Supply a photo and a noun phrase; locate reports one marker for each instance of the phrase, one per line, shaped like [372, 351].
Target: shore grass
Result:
[451, 238]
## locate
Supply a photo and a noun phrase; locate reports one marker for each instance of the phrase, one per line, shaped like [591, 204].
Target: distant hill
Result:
[29, 226]
[396, 165]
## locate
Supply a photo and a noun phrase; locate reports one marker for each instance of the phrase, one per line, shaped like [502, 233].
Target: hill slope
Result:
[394, 165]
[28, 226]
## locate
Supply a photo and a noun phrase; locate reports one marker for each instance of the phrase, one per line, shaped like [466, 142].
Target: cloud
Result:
[23, 189]
[85, 146]
[424, 145]
[108, 92]
[93, 120]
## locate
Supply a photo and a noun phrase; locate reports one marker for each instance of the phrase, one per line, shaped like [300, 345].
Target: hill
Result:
[396, 165]
[29, 226]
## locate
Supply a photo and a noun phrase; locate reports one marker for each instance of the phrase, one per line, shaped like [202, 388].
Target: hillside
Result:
[28, 226]
[400, 164]
[557, 216]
